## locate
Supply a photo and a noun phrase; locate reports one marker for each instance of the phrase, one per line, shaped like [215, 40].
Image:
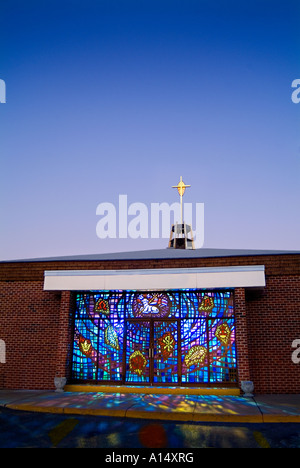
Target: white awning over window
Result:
[156, 279]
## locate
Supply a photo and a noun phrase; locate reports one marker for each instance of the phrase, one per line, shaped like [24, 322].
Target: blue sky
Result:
[123, 97]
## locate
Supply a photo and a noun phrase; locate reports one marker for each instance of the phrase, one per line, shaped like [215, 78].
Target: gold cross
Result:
[181, 189]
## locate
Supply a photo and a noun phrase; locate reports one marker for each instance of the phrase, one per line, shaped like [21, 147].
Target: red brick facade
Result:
[273, 322]
[36, 325]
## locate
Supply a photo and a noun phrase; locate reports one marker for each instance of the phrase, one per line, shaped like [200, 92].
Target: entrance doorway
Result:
[152, 352]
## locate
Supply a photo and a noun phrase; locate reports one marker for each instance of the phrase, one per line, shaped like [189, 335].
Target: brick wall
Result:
[273, 322]
[64, 336]
[241, 335]
[29, 325]
[37, 328]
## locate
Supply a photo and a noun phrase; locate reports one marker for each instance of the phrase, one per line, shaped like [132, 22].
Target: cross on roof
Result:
[181, 189]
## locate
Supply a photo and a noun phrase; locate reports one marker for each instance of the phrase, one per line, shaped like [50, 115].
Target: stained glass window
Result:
[171, 337]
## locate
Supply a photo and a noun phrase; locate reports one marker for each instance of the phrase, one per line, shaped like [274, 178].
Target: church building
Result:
[176, 317]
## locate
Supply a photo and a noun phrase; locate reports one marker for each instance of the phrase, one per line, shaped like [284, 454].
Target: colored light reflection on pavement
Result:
[152, 420]
[153, 406]
[21, 429]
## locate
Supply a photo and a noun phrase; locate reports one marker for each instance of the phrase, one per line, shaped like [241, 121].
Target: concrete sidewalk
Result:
[192, 408]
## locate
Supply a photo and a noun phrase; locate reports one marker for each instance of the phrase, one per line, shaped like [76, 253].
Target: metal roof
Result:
[158, 255]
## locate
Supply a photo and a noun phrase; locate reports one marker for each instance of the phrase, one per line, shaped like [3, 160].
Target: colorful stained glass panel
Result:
[165, 352]
[185, 336]
[137, 352]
